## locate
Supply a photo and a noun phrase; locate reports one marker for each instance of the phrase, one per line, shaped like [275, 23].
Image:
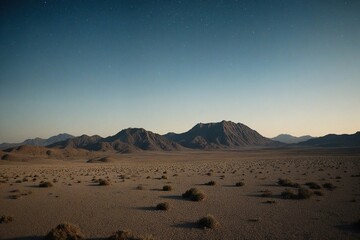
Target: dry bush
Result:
[211, 183]
[140, 187]
[329, 186]
[239, 184]
[194, 194]
[288, 194]
[266, 193]
[304, 193]
[45, 184]
[128, 235]
[208, 222]
[163, 206]
[65, 231]
[103, 182]
[167, 188]
[313, 185]
[287, 183]
[6, 219]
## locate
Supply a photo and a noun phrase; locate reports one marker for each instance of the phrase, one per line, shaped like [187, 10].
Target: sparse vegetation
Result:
[287, 183]
[239, 184]
[65, 231]
[313, 185]
[140, 187]
[211, 183]
[163, 206]
[167, 188]
[266, 193]
[208, 222]
[45, 184]
[302, 193]
[329, 186]
[194, 194]
[6, 219]
[128, 235]
[103, 182]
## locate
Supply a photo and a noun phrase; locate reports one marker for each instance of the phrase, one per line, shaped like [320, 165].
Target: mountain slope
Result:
[139, 138]
[84, 141]
[39, 141]
[333, 140]
[220, 135]
[289, 139]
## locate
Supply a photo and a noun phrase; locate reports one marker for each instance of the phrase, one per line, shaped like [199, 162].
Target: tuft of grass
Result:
[167, 188]
[65, 231]
[128, 235]
[318, 193]
[163, 206]
[208, 222]
[266, 193]
[329, 186]
[103, 182]
[140, 187]
[287, 183]
[163, 177]
[6, 219]
[288, 194]
[194, 194]
[45, 184]
[313, 185]
[304, 193]
[211, 183]
[239, 184]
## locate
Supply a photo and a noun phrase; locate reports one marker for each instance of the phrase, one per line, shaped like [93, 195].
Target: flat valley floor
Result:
[136, 187]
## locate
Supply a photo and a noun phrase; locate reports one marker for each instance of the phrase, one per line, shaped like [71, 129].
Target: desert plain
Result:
[241, 191]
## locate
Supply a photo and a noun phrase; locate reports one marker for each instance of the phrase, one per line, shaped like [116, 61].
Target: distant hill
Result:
[333, 140]
[38, 141]
[221, 135]
[289, 139]
[126, 141]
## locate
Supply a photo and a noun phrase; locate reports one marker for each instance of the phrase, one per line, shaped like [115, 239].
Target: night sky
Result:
[96, 67]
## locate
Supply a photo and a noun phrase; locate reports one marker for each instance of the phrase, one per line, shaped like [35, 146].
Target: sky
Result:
[97, 67]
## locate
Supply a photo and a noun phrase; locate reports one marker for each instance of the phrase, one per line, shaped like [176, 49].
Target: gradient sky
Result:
[96, 67]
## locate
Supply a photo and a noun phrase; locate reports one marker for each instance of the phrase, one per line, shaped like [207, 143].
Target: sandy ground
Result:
[241, 211]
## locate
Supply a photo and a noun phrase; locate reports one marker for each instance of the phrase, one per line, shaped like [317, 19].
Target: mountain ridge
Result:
[290, 139]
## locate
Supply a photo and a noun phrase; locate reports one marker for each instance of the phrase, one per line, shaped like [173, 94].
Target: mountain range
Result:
[204, 136]
[38, 141]
[289, 139]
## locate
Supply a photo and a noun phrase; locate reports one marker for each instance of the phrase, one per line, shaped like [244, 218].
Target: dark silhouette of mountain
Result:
[289, 139]
[84, 141]
[138, 138]
[221, 135]
[126, 141]
[333, 140]
[38, 141]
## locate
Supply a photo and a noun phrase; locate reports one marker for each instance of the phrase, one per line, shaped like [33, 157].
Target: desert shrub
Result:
[318, 193]
[239, 184]
[287, 183]
[304, 193]
[266, 193]
[288, 194]
[167, 188]
[313, 185]
[211, 183]
[103, 182]
[65, 231]
[208, 222]
[140, 187]
[194, 194]
[163, 177]
[329, 186]
[6, 219]
[128, 235]
[45, 184]
[163, 206]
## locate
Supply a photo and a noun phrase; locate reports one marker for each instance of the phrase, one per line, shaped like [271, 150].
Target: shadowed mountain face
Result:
[142, 139]
[128, 140]
[289, 139]
[38, 141]
[333, 140]
[220, 135]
